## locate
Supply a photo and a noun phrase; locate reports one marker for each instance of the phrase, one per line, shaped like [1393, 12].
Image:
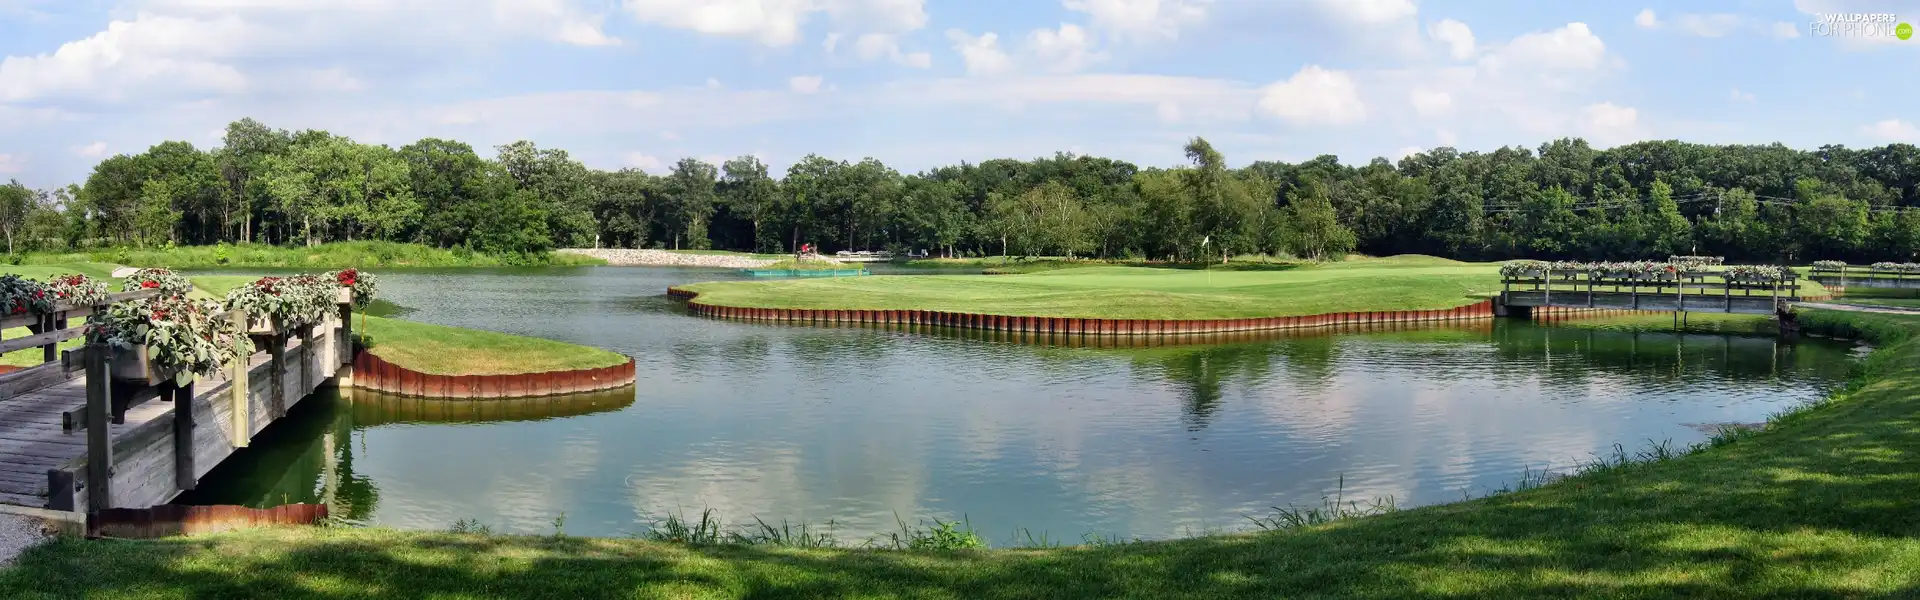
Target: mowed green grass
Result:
[1819, 504]
[1402, 283]
[442, 350]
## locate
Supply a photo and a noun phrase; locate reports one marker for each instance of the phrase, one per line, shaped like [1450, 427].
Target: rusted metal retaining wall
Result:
[1077, 326]
[372, 373]
[168, 520]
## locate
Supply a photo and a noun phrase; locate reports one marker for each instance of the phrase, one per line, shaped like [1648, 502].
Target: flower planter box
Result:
[135, 364]
[263, 326]
[343, 296]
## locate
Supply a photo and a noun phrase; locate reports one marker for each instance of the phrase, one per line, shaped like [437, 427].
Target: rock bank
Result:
[622, 257]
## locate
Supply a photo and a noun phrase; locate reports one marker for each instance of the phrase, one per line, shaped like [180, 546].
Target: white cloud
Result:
[95, 150]
[670, 136]
[1607, 124]
[1446, 137]
[713, 84]
[1571, 47]
[831, 43]
[874, 46]
[771, 22]
[1314, 96]
[198, 48]
[1408, 151]
[10, 164]
[1065, 50]
[1169, 112]
[1893, 130]
[779, 22]
[982, 54]
[1457, 37]
[643, 161]
[1369, 11]
[1429, 103]
[1646, 19]
[333, 80]
[1740, 96]
[1141, 19]
[805, 84]
[1785, 30]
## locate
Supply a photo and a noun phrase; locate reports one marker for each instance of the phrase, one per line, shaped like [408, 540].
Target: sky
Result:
[923, 83]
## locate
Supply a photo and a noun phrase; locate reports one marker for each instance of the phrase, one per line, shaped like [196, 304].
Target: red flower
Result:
[149, 284]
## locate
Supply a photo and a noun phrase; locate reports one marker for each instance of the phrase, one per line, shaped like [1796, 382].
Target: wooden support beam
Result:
[99, 439]
[60, 489]
[183, 473]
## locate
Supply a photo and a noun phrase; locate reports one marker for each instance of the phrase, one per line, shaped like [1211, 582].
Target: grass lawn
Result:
[1819, 504]
[1409, 283]
[1709, 323]
[442, 350]
[321, 257]
[810, 265]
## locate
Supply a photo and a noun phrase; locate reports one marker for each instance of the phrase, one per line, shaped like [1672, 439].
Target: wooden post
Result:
[345, 341]
[277, 377]
[60, 490]
[237, 384]
[183, 475]
[99, 438]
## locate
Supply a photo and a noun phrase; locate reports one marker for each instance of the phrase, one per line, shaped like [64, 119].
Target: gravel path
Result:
[17, 534]
[661, 258]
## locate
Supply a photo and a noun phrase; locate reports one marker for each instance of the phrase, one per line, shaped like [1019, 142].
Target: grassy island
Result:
[1117, 292]
[442, 350]
[1814, 505]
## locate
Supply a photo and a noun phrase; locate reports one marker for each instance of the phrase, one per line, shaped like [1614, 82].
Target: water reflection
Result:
[855, 425]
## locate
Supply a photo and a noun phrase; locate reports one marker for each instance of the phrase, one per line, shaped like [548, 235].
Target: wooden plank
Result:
[41, 449]
[32, 379]
[38, 488]
[241, 425]
[23, 500]
[40, 339]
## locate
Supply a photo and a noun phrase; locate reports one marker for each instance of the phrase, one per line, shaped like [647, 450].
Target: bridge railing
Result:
[1865, 275]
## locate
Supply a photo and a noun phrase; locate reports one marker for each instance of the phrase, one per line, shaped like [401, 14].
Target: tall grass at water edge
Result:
[369, 254]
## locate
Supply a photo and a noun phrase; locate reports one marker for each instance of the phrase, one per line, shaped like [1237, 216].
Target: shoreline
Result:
[1087, 326]
[1747, 495]
[627, 257]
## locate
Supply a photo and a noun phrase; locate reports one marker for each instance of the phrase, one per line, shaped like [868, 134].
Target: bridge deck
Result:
[43, 440]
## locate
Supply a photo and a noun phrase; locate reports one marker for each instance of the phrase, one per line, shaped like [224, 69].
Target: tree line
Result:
[1564, 199]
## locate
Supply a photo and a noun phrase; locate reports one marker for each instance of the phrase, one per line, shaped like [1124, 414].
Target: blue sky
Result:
[920, 83]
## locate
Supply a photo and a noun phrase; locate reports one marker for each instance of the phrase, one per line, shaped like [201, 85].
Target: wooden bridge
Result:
[73, 438]
[1865, 277]
[1688, 292]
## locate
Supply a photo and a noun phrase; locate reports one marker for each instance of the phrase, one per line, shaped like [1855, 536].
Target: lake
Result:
[860, 427]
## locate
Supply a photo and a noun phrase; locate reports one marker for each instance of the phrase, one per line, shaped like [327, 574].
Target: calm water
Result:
[856, 425]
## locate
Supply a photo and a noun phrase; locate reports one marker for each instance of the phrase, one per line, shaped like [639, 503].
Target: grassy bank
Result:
[1410, 283]
[442, 350]
[1816, 505]
[1708, 323]
[324, 256]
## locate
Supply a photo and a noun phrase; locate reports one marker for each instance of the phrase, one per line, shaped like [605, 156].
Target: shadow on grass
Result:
[1821, 505]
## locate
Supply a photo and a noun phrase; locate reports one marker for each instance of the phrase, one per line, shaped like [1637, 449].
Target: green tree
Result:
[751, 195]
[1669, 231]
[689, 194]
[17, 205]
[1313, 231]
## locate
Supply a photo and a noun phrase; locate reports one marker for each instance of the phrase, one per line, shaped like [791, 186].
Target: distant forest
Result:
[1562, 200]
